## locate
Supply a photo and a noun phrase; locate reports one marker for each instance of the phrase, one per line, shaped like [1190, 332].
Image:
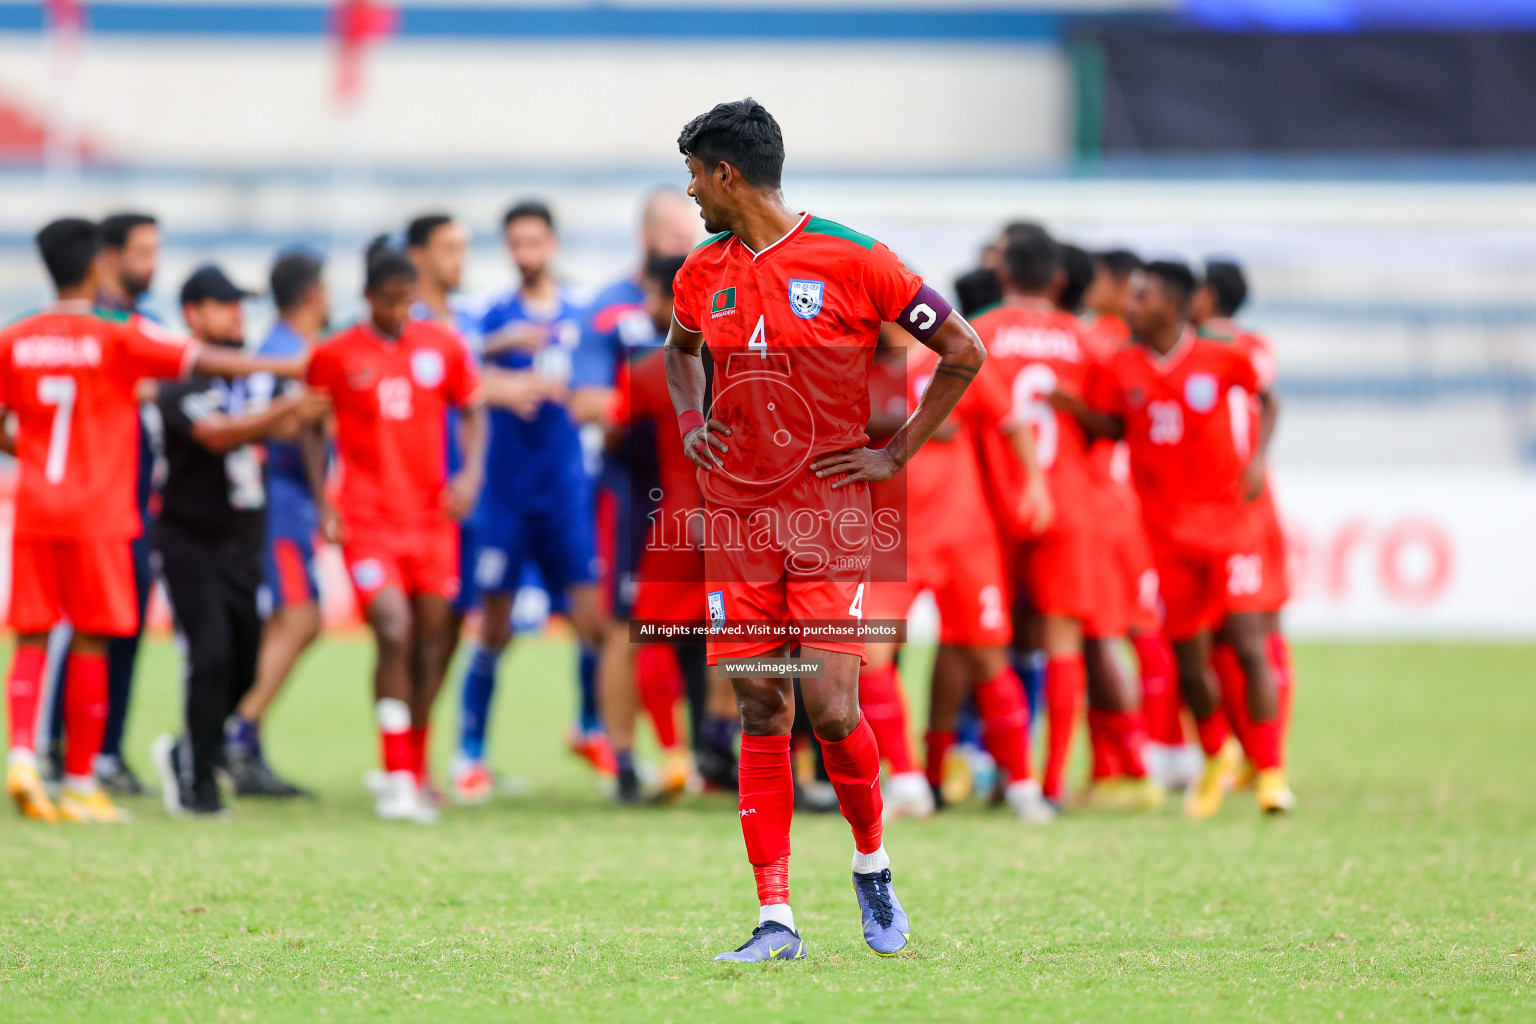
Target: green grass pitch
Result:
[1403, 888]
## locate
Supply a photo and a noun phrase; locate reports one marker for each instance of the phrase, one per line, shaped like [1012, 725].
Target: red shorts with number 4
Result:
[87, 582]
[415, 560]
[968, 587]
[801, 558]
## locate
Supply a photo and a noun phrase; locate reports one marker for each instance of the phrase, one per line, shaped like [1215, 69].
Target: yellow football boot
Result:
[1273, 793]
[676, 773]
[1220, 771]
[26, 788]
[90, 807]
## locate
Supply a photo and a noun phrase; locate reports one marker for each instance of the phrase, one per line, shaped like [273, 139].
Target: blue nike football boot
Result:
[770, 941]
[886, 927]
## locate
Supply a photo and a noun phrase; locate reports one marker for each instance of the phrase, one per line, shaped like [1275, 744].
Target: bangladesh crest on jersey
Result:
[805, 297]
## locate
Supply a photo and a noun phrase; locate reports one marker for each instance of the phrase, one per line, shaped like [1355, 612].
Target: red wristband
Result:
[688, 420]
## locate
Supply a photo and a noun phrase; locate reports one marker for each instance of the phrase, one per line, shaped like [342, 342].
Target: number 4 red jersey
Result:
[1187, 470]
[391, 398]
[69, 376]
[792, 333]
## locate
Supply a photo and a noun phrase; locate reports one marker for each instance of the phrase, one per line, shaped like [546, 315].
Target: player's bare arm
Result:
[1253, 473]
[1035, 501]
[1096, 424]
[684, 356]
[961, 354]
[464, 487]
[316, 457]
[220, 433]
[226, 362]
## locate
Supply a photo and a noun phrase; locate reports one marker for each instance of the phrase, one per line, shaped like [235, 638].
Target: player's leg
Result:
[433, 616]
[290, 629]
[393, 625]
[765, 808]
[853, 764]
[1065, 686]
[949, 689]
[500, 552]
[23, 685]
[884, 705]
[1117, 732]
[112, 769]
[191, 571]
[242, 599]
[1259, 707]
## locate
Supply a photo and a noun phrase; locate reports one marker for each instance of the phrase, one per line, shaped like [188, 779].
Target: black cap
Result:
[209, 282]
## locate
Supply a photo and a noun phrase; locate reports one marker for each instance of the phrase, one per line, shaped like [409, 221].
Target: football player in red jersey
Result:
[1167, 397]
[790, 306]
[1099, 288]
[391, 379]
[1036, 348]
[669, 574]
[69, 375]
[958, 555]
[1221, 294]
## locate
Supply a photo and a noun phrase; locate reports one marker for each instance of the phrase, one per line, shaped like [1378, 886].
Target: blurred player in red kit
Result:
[1129, 595]
[1220, 295]
[669, 571]
[392, 379]
[1166, 396]
[69, 376]
[958, 554]
[1036, 348]
[790, 306]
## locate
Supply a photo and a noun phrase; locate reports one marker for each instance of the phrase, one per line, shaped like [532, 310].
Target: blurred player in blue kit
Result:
[536, 508]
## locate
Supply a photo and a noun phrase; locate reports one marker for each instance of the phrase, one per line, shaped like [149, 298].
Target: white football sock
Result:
[779, 912]
[868, 863]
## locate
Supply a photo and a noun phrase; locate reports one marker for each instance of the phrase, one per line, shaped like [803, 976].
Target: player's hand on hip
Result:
[701, 443]
[859, 465]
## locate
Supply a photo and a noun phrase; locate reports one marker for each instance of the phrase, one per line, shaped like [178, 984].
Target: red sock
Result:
[1159, 689]
[1128, 737]
[1264, 744]
[85, 713]
[1065, 682]
[1101, 741]
[1005, 723]
[937, 742]
[1213, 732]
[885, 710]
[1279, 651]
[21, 692]
[420, 742]
[660, 683]
[853, 765]
[1234, 692]
[766, 805]
[395, 751]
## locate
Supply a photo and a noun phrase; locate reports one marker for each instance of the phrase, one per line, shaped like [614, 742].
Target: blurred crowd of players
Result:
[491, 448]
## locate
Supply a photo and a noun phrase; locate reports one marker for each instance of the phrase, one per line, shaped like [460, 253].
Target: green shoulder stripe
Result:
[818, 226]
[984, 310]
[711, 240]
[1209, 335]
[117, 316]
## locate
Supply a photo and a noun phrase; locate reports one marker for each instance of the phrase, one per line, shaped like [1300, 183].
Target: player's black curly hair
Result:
[1177, 279]
[68, 247]
[742, 134]
[1227, 283]
[384, 262]
[1078, 264]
